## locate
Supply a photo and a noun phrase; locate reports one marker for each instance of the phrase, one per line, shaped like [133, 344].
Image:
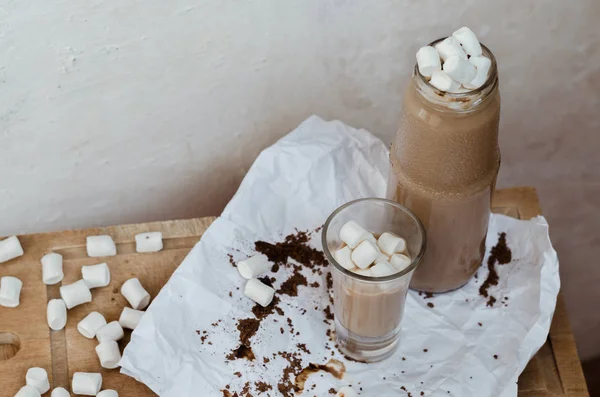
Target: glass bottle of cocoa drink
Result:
[445, 160]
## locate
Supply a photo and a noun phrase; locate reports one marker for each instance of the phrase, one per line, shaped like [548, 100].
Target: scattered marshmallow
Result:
[364, 254]
[135, 294]
[450, 46]
[390, 244]
[108, 393]
[100, 246]
[460, 70]
[60, 392]
[382, 269]
[10, 248]
[346, 391]
[86, 383]
[56, 313]
[343, 256]
[28, 391]
[38, 378]
[428, 60]
[482, 64]
[10, 291]
[148, 242]
[253, 266]
[130, 318]
[75, 294]
[96, 275]
[52, 268]
[109, 354]
[400, 261]
[468, 40]
[353, 234]
[90, 325]
[443, 82]
[259, 292]
[111, 331]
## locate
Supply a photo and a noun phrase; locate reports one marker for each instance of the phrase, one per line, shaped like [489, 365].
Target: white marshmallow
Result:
[10, 291]
[38, 378]
[253, 266]
[363, 272]
[75, 294]
[60, 392]
[428, 60]
[148, 242]
[390, 244]
[468, 40]
[135, 294]
[109, 354]
[108, 393]
[111, 331]
[28, 391]
[400, 261]
[353, 234]
[382, 269]
[259, 292]
[56, 313]
[482, 64]
[343, 256]
[96, 275]
[450, 46]
[130, 318]
[52, 268]
[364, 254]
[443, 82]
[100, 246]
[346, 391]
[10, 248]
[459, 69]
[86, 383]
[90, 325]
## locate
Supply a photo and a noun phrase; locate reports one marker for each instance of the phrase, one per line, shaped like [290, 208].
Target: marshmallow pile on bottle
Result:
[369, 256]
[456, 64]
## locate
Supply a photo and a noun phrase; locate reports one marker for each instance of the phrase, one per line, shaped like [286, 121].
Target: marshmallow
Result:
[56, 312]
[450, 46]
[459, 69]
[28, 391]
[60, 392]
[86, 383]
[90, 325]
[38, 378]
[75, 294]
[468, 40]
[346, 391]
[52, 268]
[108, 393]
[428, 60]
[343, 256]
[10, 248]
[353, 234]
[135, 294]
[148, 242]
[111, 331]
[400, 261]
[443, 82]
[96, 275]
[109, 354]
[390, 244]
[482, 64]
[100, 246]
[363, 272]
[364, 254]
[10, 291]
[130, 318]
[253, 266]
[382, 269]
[259, 292]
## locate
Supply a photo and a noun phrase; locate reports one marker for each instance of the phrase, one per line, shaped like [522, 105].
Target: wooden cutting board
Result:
[26, 340]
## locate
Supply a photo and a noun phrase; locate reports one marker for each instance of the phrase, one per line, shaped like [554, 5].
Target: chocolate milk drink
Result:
[445, 159]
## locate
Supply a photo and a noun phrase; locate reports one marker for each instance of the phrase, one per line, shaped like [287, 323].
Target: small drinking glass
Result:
[368, 310]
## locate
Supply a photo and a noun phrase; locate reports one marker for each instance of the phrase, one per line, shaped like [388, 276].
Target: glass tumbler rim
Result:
[398, 275]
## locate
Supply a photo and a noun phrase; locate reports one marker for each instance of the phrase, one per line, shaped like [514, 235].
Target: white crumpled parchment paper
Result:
[296, 184]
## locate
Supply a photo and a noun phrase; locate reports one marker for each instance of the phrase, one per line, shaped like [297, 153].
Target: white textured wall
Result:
[124, 111]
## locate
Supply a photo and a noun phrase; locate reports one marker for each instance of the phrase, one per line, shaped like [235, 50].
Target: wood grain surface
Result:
[26, 340]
